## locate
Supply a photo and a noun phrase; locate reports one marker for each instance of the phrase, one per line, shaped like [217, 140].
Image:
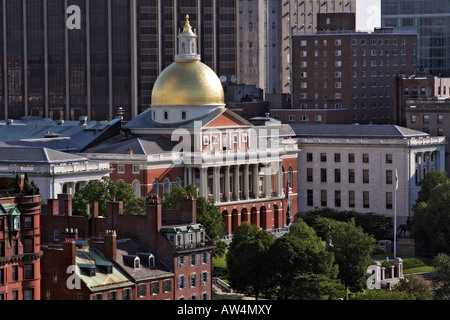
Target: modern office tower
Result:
[344, 76]
[430, 19]
[108, 65]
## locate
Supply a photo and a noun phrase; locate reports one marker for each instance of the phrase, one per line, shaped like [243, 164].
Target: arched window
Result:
[183, 115]
[155, 186]
[137, 188]
[289, 176]
[166, 186]
[178, 181]
[166, 115]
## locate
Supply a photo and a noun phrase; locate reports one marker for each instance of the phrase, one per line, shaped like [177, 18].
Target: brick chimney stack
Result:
[110, 245]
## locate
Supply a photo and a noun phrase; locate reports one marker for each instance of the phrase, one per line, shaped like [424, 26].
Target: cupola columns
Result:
[187, 44]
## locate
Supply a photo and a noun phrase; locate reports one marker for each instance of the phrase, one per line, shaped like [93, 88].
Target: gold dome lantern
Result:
[187, 81]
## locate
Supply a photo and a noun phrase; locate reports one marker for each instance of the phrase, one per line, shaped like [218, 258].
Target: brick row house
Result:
[20, 252]
[125, 257]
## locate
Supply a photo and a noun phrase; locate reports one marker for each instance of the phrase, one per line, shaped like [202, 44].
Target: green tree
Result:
[207, 214]
[441, 282]
[411, 284]
[104, 191]
[382, 294]
[352, 249]
[431, 180]
[247, 254]
[299, 259]
[431, 222]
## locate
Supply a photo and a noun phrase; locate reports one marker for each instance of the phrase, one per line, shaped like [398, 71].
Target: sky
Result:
[368, 14]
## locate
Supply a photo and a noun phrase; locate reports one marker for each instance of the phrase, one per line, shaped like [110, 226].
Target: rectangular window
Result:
[154, 288]
[337, 175]
[365, 158]
[388, 200]
[323, 157]
[167, 286]
[351, 199]
[181, 282]
[142, 290]
[365, 176]
[351, 157]
[135, 169]
[388, 158]
[193, 259]
[193, 280]
[28, 271]
[309, 174]
[366, 200]
[309, 157]
[323, 175]
[120, 169]
[337, 157]
[337, 198]
[323, 198]
[388, 176]
[309, 198]
[351, 175]
[205, 278]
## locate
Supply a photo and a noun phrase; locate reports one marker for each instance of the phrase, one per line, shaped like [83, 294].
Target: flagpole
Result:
[395, 214]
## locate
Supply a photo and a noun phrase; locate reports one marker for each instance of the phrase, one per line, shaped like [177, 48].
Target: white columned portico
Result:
[227, 183]
[236, 183]
[246, 182]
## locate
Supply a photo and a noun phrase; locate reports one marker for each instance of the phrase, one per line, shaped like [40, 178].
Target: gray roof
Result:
[132, 247]
[14, 154]
[146, 146]
[40, 131]
[355, 131]
[144, 120]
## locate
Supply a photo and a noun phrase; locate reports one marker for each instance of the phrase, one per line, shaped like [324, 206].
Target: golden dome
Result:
[188, 83]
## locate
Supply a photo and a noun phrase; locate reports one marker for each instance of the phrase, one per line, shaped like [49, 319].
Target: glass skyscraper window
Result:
[108, 67]
[430, 19]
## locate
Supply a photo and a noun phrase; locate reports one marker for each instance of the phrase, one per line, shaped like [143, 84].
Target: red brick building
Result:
[335, 70]
[124, 257]
[189, 137]
[20, 251]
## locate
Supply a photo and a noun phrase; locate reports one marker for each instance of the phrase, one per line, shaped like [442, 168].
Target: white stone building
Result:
[353, 167]
[53, 172]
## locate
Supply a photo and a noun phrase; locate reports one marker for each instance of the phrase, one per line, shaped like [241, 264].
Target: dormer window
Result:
[183, 115]
[151, 261]
[137, 263]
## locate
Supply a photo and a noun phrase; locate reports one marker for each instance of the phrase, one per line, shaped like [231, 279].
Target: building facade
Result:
[241, 168]
[430, 20]
[100, 59]
[348, 73]
[20, 248]
[354, 167]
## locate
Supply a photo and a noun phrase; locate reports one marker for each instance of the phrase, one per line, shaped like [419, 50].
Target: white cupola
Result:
[187, 44]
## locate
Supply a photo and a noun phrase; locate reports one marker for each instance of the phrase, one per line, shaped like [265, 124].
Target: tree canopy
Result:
[104, 191]
[207, 214]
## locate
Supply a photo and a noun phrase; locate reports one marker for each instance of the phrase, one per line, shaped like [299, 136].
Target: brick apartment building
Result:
[125, 257]
[344, 76]
[20, 251]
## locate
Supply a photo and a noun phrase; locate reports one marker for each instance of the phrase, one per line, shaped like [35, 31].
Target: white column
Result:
[280, 179]
[227, 183]
[25, 56]
[246, 182]
[267, 178]
[255, 181]
[203, 185]
[216, 184]
[236, 182]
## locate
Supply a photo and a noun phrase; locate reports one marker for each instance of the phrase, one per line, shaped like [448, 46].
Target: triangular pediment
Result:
[227, 119]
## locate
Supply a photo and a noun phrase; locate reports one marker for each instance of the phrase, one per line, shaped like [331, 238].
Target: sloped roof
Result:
[39, 131]
[14, 154]
[132, 247]
[355, 131]
[145, 146]
[92, 258]
[144, 120]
